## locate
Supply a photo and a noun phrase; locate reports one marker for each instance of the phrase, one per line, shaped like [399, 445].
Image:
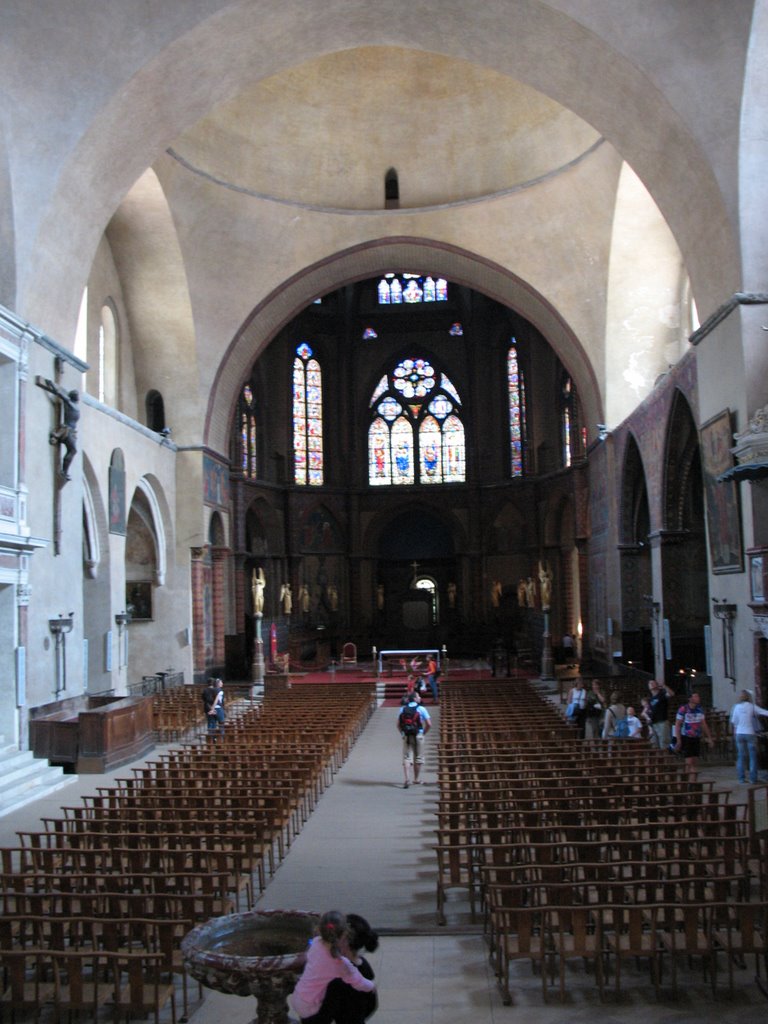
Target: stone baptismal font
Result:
[260, 953]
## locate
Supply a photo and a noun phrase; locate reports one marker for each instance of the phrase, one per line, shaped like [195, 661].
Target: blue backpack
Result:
[621, 732]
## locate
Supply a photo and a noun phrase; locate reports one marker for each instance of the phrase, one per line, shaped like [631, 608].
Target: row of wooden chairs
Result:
[532, 820]
[175, 842]
[131, 984]
[603, 937]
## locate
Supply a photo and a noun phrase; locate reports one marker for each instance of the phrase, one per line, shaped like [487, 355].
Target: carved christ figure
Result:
[65, 434]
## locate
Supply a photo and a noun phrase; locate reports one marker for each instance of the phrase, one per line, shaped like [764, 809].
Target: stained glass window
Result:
[402, 451]
[454, 462]
[414, 378]
[430, 449]
[416, 434]
[379, 461]
[247, 434]
[380, 388]
[574, 434]
[516, 396]
[411, 288]
[567, 416]
[447, 386]
[307, 418]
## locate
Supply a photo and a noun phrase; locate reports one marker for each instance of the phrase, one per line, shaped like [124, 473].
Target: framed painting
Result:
[138, 597]
[723, 511]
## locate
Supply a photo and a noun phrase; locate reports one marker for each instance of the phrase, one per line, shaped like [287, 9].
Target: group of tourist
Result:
[596, 717]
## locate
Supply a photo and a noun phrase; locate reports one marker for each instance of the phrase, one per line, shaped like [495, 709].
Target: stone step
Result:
[24, 778]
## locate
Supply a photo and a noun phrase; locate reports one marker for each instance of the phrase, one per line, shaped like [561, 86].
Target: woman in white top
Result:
[575, 707]
[744, 721]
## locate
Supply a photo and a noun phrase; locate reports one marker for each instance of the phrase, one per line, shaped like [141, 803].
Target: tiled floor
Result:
[368, 848]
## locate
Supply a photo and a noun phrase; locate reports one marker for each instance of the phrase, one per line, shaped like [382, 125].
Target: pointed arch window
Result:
[416, 432]
[573, 435]
[307, 418]
[248, 461]
[516, 399]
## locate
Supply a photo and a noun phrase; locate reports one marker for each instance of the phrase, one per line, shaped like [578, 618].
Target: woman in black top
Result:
[342, 1003]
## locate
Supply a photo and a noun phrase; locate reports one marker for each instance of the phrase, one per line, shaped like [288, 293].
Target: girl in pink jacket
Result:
[324, 963]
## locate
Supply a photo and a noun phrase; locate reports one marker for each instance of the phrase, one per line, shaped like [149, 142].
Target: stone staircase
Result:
[24, 778]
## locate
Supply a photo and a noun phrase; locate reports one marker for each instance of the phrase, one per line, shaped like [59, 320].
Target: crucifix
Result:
[64, 435]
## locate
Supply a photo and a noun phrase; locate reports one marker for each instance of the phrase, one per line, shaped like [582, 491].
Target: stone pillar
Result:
[257, 667]
[218, 567]
[197, 584]
[547, 661]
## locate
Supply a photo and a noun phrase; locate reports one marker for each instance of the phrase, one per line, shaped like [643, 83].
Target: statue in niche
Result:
[451, 595]
[333, 597]
[286, 598]
[530, 592]
[496, 593]
[304, 598]
[522, 593]
[380, 597]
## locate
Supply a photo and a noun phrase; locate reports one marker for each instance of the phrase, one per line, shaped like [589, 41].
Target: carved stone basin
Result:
[260, 953]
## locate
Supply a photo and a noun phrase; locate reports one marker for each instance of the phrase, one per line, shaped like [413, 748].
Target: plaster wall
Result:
[151, 644]
[55, 580]
[243, 249]
[646, 317]
[78, 146]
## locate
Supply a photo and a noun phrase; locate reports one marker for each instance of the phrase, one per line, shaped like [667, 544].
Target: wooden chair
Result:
[575, 933]
[520, 935]
[634, 936]
[685, 931]
[349, 654]
[81, 983]
[140, 985]
[28, 979]
[741, 929]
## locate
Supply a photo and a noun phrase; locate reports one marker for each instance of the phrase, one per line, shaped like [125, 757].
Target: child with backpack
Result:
[325, 962]
[413, 723]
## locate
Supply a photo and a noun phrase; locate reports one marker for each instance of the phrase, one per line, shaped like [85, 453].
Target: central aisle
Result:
[368, 846]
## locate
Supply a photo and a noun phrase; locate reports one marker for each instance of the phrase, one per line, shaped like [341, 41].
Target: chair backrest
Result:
[349, 652]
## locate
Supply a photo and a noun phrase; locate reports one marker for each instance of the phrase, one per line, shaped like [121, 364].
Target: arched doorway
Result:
[415, 565]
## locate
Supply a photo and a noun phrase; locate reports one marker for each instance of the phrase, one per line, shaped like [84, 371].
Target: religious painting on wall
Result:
[138, 597]
[723, 513]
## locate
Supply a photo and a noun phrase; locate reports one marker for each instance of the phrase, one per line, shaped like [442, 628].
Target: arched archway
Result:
[635, 565]
[370, 260]
[685, 590]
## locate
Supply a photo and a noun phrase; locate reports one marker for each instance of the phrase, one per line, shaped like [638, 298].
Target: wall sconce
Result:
[122, 619]
[59, 628]
[727, 613]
